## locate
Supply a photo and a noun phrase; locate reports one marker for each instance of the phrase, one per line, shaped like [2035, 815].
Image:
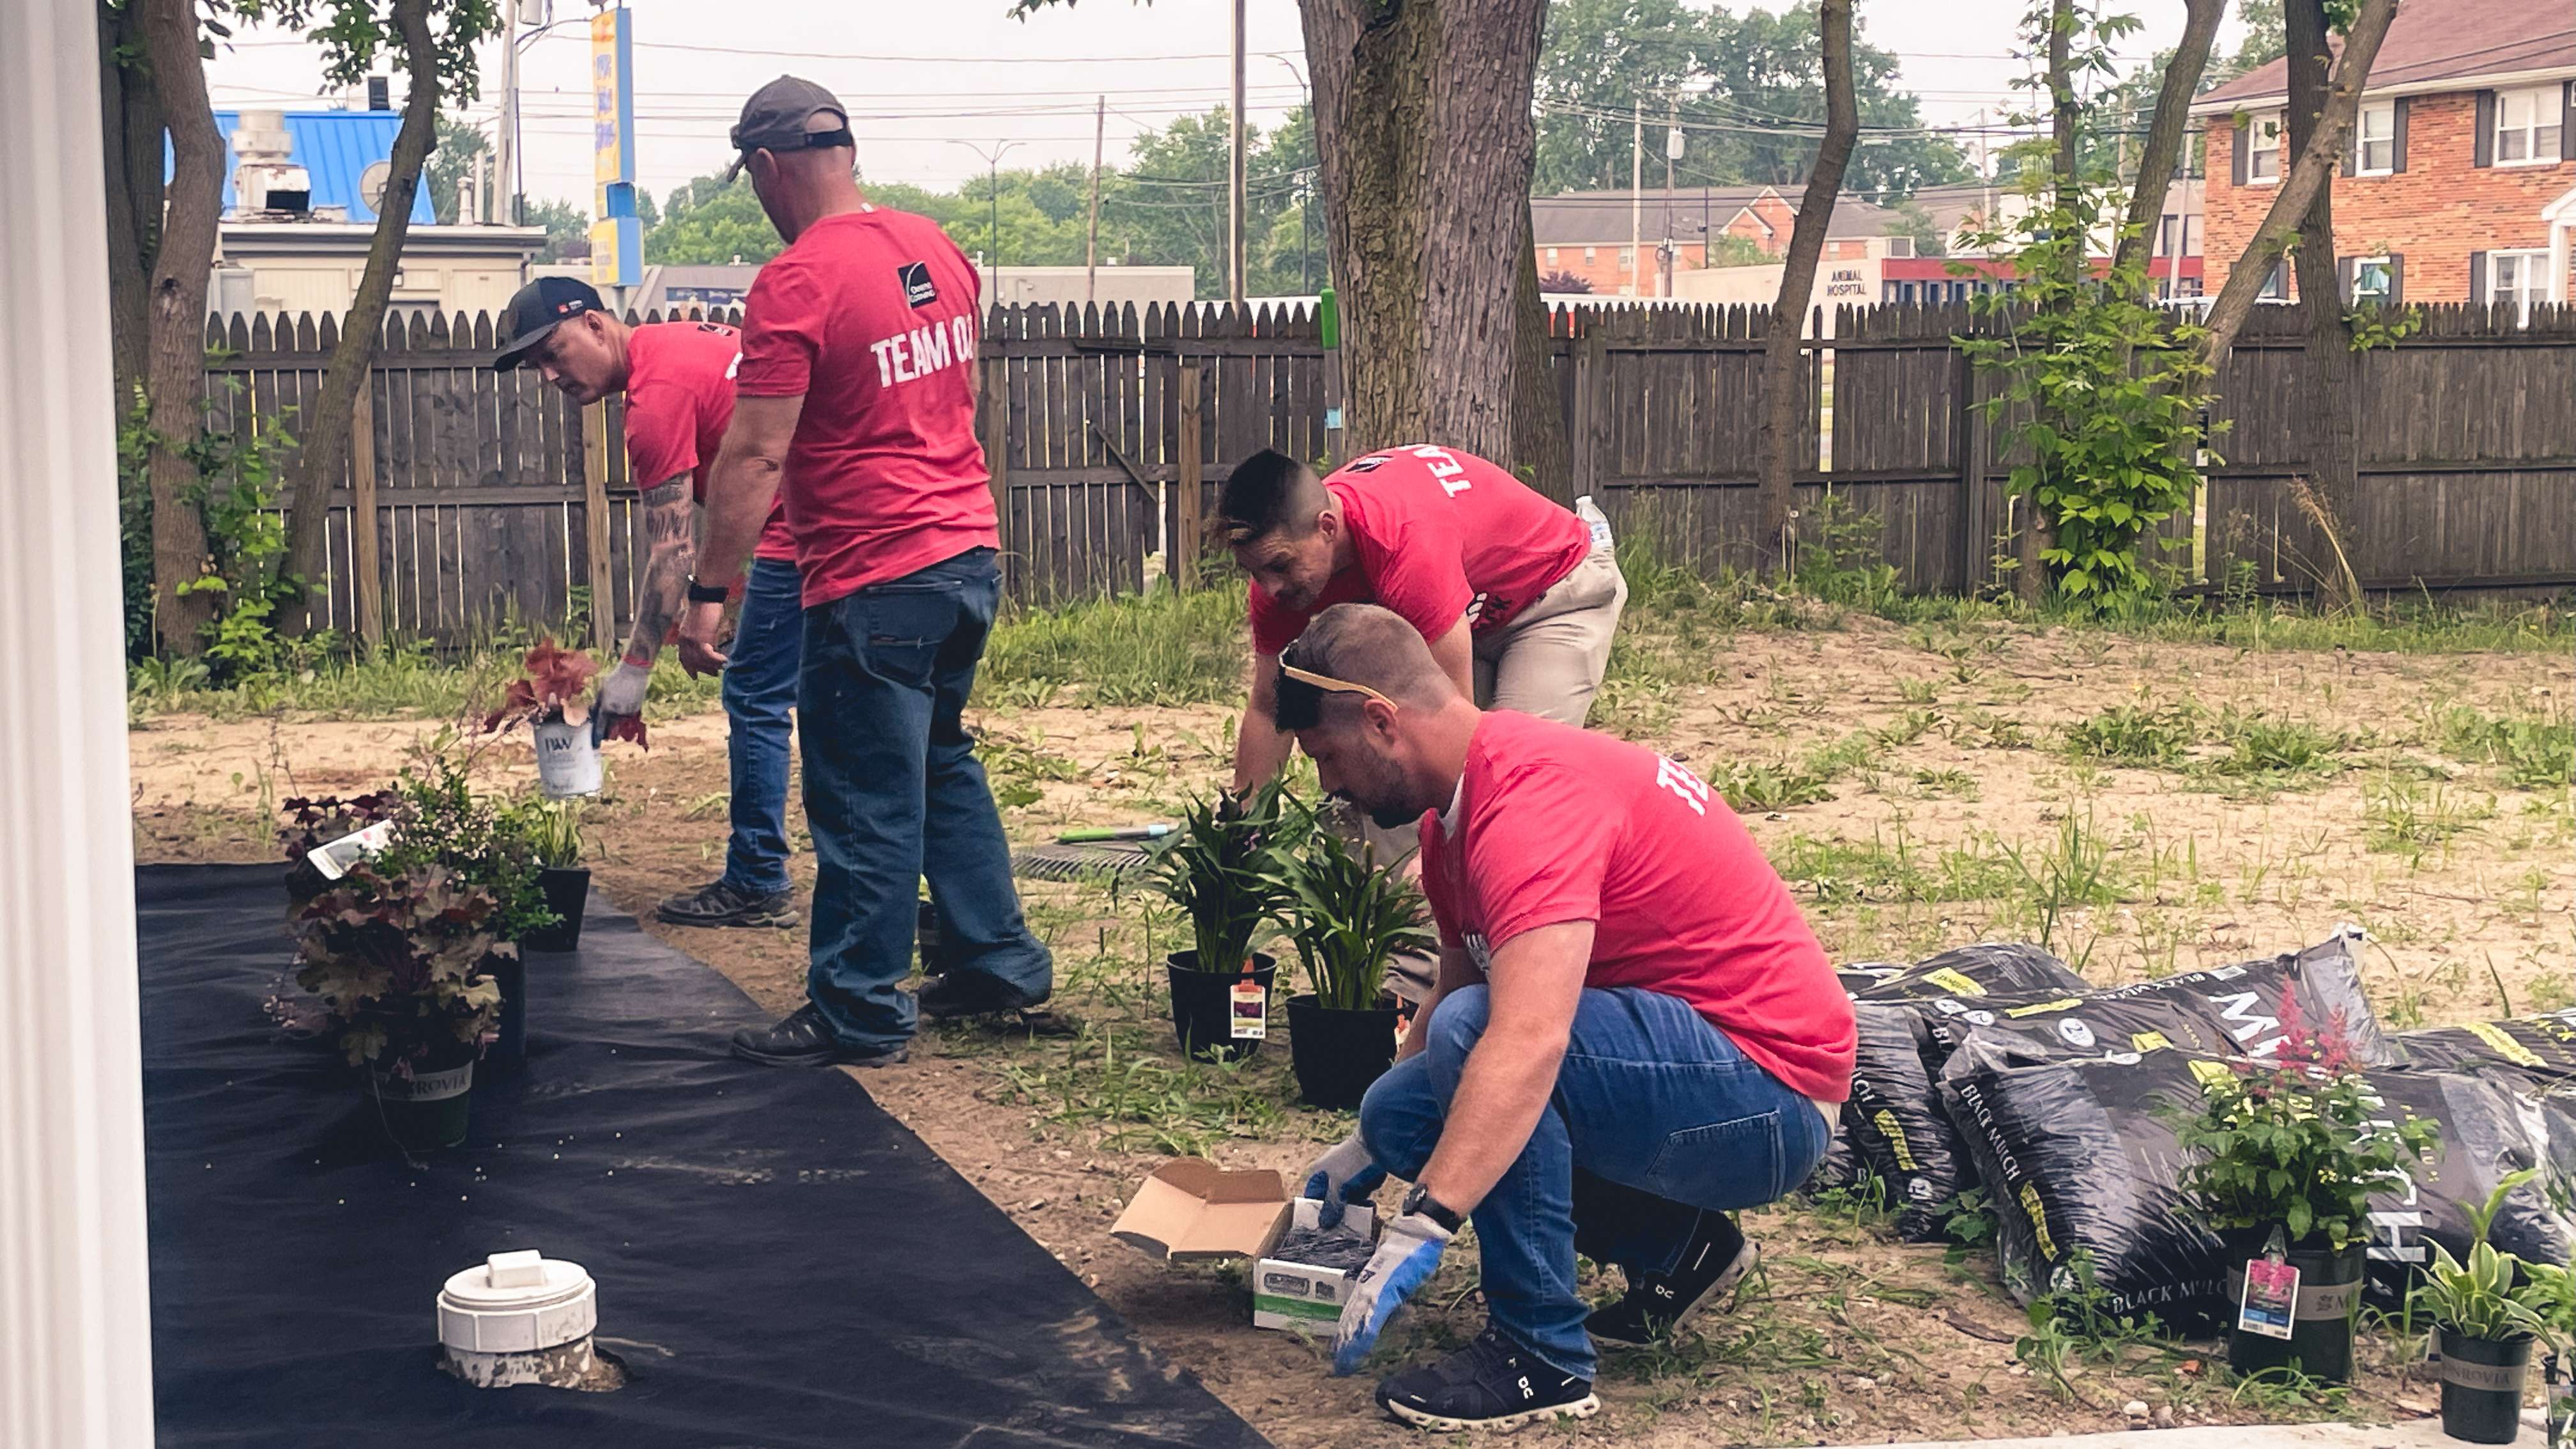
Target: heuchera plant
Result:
[2299, 1139]
[315, 822]
[398, 964]
[551, 689]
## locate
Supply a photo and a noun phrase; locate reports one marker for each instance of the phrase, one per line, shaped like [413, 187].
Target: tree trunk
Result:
[130, 131]
[324, 436]
[174, 377]
[2165, 131]
[1423, 130]
[1783, 390]
[2329, 411]
[2039, 531]
[2317, 160]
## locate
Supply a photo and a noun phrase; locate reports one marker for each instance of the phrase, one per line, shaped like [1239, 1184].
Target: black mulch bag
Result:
[2540, 1050]
[2016, 970]
[2080, 1155]
[1901, 1132]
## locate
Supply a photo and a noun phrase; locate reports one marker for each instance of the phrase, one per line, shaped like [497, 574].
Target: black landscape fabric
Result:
[780, 1263]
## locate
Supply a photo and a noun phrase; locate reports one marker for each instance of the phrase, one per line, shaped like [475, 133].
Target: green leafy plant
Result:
[397, 960]
[2494, 1297]
[552, 829]
[2129, 734]
[439, 820]
[1222, 868]
[2297, 1140]
[1347, 915]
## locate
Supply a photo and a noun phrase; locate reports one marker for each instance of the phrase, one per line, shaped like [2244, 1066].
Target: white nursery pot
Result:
[567, 760]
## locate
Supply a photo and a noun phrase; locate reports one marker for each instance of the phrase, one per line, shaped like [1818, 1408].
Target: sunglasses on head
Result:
[1330, 685]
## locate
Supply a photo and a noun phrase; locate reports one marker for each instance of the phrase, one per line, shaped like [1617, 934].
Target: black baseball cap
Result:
[776, 119]
[539, 308]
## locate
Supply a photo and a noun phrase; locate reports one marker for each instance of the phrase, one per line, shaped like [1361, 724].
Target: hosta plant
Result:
[397, 961]
[1348, 916]
[1222, 869]
[2493, 1296]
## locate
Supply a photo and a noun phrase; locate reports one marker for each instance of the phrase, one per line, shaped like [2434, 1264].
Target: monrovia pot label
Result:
[2498, 1378]
[1251, 1010]
[426, 1086]
[2270, 1300]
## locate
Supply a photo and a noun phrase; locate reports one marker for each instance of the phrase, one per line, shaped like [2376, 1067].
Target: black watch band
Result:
[707, 593]
[1421, 1201]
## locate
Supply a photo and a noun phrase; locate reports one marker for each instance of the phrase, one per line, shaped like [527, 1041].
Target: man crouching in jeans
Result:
[1634, 1032]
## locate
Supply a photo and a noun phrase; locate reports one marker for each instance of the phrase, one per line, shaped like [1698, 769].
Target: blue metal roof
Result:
[335, 148]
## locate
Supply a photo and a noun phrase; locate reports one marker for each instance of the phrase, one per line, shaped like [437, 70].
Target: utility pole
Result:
[1636, 196]
[1091, 249]
[505, 145]
[1234, 173]
[1672, 153]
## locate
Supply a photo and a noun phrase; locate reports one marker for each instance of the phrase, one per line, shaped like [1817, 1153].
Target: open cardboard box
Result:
[1191, 1210]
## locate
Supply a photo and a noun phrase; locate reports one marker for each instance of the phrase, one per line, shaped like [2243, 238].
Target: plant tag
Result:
[2271, 1296]
[333, 860]
[1251, 1010]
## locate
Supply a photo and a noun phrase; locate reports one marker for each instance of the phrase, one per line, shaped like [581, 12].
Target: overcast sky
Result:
[934, 86]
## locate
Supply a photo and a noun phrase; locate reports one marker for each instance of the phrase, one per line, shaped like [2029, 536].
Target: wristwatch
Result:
[1421, 1201]
[707, 593]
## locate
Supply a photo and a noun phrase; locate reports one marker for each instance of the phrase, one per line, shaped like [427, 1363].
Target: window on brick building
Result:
[1627, 258]
[2527, 127]
[1551, 256]
[1591, 255]
[2263, 148]
[2375, 140]
[2374, 282]
[2521, 278]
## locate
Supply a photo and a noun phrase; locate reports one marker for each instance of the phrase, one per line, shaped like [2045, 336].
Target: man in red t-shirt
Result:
[1633, 1034]
[857, 386]
[1516, 596]
[678, 382]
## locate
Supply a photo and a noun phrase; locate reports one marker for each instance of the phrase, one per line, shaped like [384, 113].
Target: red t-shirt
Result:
[1558, 824]
[872, 316]
[679, 397]
[1440, 535]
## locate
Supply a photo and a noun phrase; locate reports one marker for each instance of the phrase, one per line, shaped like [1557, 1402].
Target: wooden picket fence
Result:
[1108, 432]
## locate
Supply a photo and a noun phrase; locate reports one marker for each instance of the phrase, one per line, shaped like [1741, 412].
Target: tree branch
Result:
[1780, 352]
[2165, 132]
[175, 317]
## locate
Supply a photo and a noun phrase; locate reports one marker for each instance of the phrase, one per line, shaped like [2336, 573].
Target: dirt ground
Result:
[1951, 807]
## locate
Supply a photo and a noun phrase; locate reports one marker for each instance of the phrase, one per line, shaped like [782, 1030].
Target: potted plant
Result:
[397, 959]
[312, 823]
[2286, 1158]
[440, 820]
[2486, 1313]
[1221, 868]
[1347, 916]
[553, 831]
[547, 697]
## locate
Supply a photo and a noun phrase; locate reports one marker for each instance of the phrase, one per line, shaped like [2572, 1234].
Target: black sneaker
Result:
[721, 905]
[802, 1039]
[1489, 1384]
[972, 993]
[1656, 1303]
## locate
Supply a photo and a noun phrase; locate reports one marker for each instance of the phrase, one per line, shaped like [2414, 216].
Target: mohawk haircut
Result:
[1358, 644]
[1268, 493]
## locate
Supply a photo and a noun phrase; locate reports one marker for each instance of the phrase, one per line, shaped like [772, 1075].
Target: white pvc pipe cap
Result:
[517, 1303]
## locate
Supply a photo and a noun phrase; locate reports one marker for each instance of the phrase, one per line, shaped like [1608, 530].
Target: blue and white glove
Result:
[1407, 1256]
[1342, 1176]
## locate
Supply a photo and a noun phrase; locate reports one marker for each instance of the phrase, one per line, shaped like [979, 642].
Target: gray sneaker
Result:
[720, 904]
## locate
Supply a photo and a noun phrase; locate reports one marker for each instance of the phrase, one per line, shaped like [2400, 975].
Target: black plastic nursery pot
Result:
[428, 1109]
[2320, 1341]
[509, 971]
[2482, 1386]
[1338, 1052]
[567, 893]
[1204, 1013]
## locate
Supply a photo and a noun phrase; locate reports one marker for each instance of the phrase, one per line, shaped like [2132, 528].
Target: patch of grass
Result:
[1762, 787]
[2405, 817]
[2129, 734]
[1893, 869]
[1139, 1100]
[2268, 746]
[2067, 872]
[2529, 752]
[1163, 648]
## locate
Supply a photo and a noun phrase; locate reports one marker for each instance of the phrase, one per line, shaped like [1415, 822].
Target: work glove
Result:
[1342, 1176]
[621, 696]
[1407, 1255]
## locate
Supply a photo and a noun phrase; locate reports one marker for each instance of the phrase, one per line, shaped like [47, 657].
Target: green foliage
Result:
[1751, 92]
[1347, 915]
[2299, 1141]
[552, 829]
[2076, 1320]
[1224, 869]
[460, 147]
[2098, 389]
[2493, 1296]
[396, 956]
[2262, 745]
[235, 494]
[567, 230]
[2531, 752]
[2129, 734]
[440, 821]
[358, 37]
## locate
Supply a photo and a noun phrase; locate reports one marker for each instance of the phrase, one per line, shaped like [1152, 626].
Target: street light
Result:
[993, 165]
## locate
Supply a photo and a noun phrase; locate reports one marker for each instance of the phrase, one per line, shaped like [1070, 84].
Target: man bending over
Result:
[1633, 1034]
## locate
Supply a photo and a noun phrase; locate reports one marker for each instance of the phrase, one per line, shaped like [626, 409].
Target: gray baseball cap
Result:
[778, 117]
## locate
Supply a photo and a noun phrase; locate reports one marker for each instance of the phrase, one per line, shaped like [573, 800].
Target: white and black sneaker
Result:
[1655, 1304]
[1489, 1384]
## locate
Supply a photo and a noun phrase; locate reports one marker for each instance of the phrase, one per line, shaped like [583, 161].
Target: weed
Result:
[2529, 753]
[1918, 691]
[2268, 746]
[1892, 869]
[2128, 734]
[1139, 1101]
[1908, 727]
[2068, 873]
[2413, 820]
[2075, 1321]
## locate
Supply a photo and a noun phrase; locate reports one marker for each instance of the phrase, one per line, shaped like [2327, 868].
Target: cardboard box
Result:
[1303, 1297]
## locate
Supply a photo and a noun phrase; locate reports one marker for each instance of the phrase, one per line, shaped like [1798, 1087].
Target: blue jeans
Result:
[759, 690]
[1655, 1116]
[893, 794]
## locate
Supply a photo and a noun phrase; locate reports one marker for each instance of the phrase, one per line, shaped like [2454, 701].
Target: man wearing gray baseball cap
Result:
[857, 389]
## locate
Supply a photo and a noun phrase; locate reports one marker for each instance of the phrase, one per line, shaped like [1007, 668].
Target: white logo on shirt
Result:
[1445, 468]
[920, 351]
[1670, 775]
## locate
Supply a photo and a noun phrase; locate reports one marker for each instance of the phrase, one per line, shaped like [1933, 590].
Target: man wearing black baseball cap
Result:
[857, 389]
[678, 382]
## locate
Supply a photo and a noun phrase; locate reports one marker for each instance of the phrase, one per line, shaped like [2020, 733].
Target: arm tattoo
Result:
[671, 545]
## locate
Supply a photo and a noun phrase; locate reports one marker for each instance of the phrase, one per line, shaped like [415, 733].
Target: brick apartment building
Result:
[1586, 233]
[2460, 184]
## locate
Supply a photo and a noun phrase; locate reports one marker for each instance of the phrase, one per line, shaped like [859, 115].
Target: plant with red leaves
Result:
[400, 963]
[316, 822]
[550, 689]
